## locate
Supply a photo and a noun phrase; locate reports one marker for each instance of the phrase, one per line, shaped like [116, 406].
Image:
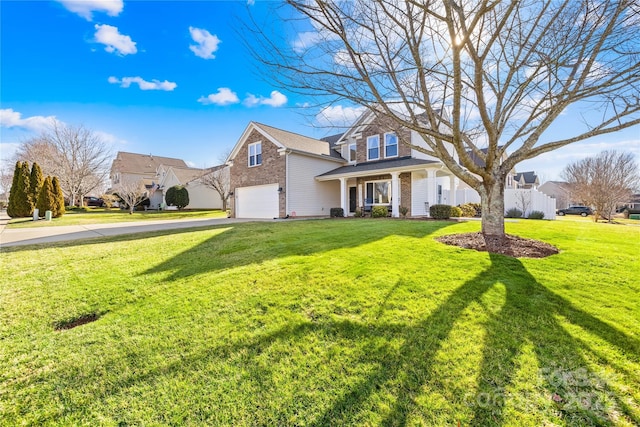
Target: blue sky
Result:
[172, 78]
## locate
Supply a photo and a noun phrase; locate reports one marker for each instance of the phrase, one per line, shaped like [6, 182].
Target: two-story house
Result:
[275, 173]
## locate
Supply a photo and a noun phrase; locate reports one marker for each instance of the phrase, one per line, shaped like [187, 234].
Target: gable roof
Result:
[185, 175]
[529, 177]
[365, 119]
[143, 163]
[287, 140]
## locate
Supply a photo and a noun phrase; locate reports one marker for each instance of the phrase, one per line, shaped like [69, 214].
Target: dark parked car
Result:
[575, 210]
[93, 201]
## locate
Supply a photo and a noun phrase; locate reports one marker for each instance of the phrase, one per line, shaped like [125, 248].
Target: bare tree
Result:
[603, 181]
[6, 179]
[132, 193]
[523, 201]
[218, 179]
[467, 75]
[76, 155]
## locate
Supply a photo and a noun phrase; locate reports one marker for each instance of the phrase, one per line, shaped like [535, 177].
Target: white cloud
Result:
[85, 8]
[114, 41]
[110, 138]
[224, 96]
[207, 43]
[276, 99]
[13, 119]
[8, 151]
[143, 84]
[251, 2]
[339, 116]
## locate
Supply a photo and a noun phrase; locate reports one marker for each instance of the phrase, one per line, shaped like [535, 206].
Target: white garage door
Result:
[260, 201]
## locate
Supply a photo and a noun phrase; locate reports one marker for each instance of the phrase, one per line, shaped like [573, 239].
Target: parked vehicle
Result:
[575, 210]
[93, 201]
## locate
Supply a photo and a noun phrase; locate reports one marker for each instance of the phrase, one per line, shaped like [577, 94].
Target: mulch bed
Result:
[512, 246]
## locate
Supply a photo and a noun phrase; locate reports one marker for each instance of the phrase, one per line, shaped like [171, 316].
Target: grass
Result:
[329, 322]
[104, 216]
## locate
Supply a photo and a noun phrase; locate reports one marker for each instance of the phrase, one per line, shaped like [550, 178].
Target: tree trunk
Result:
[224, 204]
[492, 202]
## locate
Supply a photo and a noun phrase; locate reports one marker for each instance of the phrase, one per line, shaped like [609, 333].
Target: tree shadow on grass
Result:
[256, 243]
[529, 318]
[532, 321]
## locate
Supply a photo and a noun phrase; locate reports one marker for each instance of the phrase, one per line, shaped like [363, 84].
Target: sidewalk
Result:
[38, 235]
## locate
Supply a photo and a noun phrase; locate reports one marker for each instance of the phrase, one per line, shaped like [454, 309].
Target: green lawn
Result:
[327, 322]
[103, 216]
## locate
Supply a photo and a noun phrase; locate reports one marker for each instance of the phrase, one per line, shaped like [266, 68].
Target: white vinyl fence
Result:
[525, 200]
[530, 200]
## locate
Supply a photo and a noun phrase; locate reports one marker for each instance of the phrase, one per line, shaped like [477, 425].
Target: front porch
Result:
[413, 183]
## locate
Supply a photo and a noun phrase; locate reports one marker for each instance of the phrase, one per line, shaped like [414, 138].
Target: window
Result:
[378, 193]
[390, 145]
[352, 152]
[255, 154]
[373, 147]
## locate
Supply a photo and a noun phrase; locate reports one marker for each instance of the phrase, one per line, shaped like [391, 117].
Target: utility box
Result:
[36, 214]
[47, 216]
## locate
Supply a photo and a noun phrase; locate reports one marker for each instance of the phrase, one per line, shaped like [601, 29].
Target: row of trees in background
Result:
[30, 191]
[79, 157]
[603, 181]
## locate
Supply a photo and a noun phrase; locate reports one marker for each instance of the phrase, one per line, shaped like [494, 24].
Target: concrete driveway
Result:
[38, 235]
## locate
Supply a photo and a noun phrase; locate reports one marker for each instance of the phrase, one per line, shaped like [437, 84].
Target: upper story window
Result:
[390, 145]
[255, 154]
[373, 147]
[352, 152]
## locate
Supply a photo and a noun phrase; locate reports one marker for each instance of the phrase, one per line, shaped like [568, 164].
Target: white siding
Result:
[305, 195]
[417, 140]
[418, 194]
[203, 197]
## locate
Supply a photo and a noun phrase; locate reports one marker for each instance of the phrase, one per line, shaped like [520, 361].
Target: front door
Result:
[353, 199]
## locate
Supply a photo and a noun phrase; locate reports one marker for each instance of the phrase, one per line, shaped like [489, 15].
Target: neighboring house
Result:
[273, 173]
[526, 180]
[559, 191]
[633, 203]
[200, 196]
[132, 167]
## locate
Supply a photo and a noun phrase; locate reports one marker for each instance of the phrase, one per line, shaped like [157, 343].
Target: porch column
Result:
[395, 194]
[432, 188]
[453, 181]
[343, 196]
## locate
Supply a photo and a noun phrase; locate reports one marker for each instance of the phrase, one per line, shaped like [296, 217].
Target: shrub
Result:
[379, 212]
[20, 203]
[177, 196]
[456, 212]
[468, 210]
[46, 198]
[404, 211]
[36, 181]
[440, 211]
[478, 208]
[58, 206]
[513, 213]
[358, 213]
[336, 213]
[109, 200]
[536, 215]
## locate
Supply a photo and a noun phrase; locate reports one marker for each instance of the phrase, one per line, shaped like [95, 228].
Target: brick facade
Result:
[405, 191]
[376, 129]
[271, 171]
